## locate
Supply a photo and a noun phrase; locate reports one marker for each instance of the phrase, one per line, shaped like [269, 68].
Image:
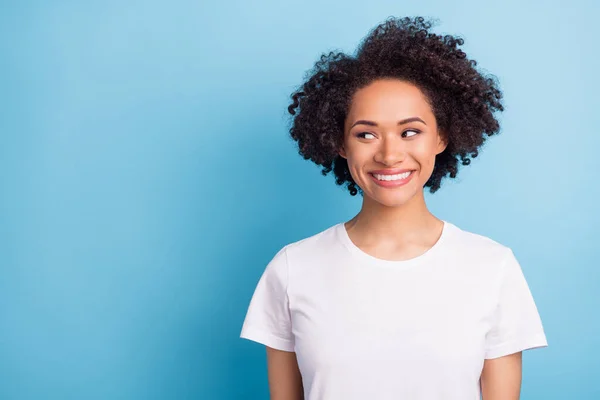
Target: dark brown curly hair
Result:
[463, 99]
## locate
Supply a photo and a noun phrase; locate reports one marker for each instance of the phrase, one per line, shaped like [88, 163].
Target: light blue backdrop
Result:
[147, 179]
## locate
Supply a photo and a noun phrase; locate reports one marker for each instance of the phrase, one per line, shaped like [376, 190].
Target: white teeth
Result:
[392, 177]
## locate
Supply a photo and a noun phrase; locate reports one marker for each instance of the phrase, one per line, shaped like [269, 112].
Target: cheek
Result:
[356, 162]
[358, 155]
[424, 152]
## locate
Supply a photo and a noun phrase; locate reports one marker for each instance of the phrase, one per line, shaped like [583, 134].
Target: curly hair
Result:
[463, 99]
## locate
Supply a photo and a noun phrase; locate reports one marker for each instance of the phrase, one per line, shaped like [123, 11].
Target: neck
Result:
[405, 222]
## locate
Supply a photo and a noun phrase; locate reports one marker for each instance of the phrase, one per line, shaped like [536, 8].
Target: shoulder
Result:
[314, 244]
[305, 251]
[476, 246]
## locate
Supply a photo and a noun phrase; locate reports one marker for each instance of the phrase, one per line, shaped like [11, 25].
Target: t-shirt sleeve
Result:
[516, 322]
[268, 318]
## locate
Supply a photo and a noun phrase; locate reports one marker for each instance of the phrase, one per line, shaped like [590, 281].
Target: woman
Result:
[395, 303]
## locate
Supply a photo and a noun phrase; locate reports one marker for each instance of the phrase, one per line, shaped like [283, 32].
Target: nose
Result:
[390, 152]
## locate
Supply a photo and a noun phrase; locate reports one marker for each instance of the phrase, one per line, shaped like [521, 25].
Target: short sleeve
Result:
[516, 322]
[268, 318]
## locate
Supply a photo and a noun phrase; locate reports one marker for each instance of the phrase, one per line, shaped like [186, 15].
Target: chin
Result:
[392, 199]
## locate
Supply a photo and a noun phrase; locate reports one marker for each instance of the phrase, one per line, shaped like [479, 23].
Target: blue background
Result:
[147, 179]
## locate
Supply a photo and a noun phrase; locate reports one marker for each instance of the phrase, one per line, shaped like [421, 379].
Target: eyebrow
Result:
[401, 122]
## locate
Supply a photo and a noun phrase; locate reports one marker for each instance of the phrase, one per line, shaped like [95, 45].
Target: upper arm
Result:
[285, 381]
[501, 377]
[516, 323]
[516, 326]
[268, 321]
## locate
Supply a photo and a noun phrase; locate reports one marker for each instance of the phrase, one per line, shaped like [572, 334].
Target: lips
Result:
[389, 183]
[396, 171]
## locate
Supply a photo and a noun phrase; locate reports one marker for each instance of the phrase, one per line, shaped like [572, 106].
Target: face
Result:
[391, 140]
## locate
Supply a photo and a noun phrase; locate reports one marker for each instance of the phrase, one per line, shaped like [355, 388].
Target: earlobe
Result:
[342, 152]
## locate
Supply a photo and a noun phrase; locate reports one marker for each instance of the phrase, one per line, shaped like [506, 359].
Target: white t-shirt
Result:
[367, 328]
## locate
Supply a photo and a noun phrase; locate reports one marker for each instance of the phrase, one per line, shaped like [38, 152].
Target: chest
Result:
[414, 321]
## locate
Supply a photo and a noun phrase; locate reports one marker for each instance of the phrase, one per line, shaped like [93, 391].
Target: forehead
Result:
[389, 100]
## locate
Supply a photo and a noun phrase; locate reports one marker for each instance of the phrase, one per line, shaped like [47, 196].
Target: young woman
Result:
[395, 303]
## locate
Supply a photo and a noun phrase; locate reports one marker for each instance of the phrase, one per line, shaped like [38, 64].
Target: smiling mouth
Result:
[391, 178]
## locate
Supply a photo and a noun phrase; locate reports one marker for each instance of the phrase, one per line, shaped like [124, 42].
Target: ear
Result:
[442, 142]
[342, 152]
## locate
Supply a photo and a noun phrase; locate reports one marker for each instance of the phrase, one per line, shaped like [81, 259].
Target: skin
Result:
[393, 223]
[501, 377]
[285, 381]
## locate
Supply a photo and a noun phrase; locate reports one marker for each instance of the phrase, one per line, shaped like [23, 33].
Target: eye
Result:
[363, 135]
[414, 131]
